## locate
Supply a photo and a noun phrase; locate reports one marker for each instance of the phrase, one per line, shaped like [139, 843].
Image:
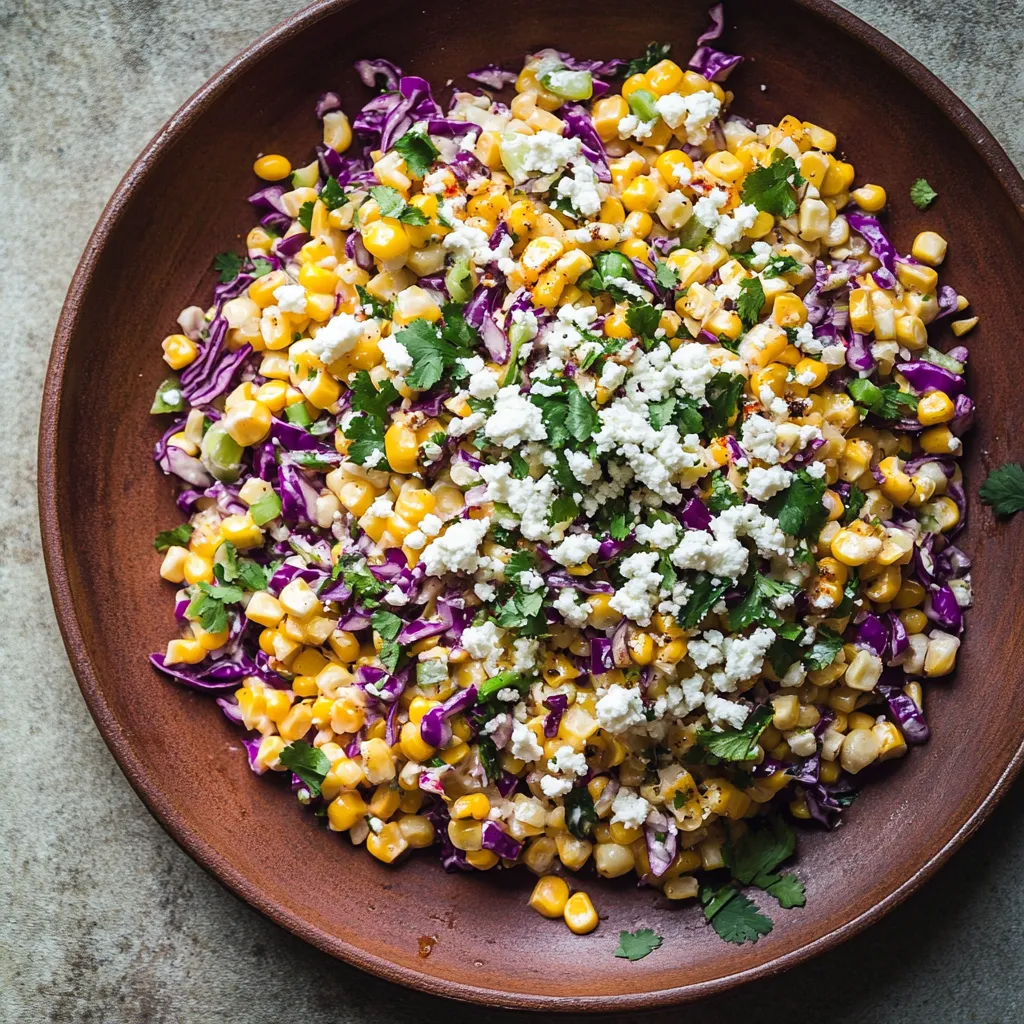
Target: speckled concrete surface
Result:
[102, 917]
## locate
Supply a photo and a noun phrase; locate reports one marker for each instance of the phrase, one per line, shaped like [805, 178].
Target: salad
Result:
[571, 481]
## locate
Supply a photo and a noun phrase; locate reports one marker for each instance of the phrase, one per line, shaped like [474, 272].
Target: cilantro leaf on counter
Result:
[636, 945]
[771, 188]
[1003, 489]
[922, 195]
[309, 763]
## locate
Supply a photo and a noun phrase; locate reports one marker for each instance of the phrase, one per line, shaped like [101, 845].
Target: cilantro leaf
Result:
[922, 195]
[454, 328]
[179, 537]
[778, 266]
[520, 467]
[366, 397]
[734, 916]
[769, 188]
[705, 593]
[636, 945]
[800, 509]
[888, 402]
[364, 585]
[759, 851]
[660, 413]
[261, 267]
[788, 890]
[824, 650]
[619, 528]
[687, 416]
[168, 397]
[208, 605]
[1003, 489]
[643, 319]
[309, 763]
[228, 265]
[390, 654]
[854, 503]
[737, 744]
[723, 397]
[332, 196]
[563, 510]
[750, 302]
[393, 205]
[431, 353]
[655, 52]
[418, 152]
[757, 606]
[581, 420]
[665, 275]
[580, 816]
[723, 494]
[378, 310]
[305, 217]
[266, 508]
[366, 434]
[388, 624]
[229, 568]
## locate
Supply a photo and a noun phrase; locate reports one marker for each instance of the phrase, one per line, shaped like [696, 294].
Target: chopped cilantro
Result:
[705, 593]
[179, 537]
[332, 196]
[643, 319]
[723, 397]
[393, 205]
[922, 195]
[758, 604]
[432, 353]
[737, 744]
[636, 945]
[1003, 489]
[665, 275]
[309, 763]
[750, 302]
[366, 436]
[581, 419]
[229, 568]
[824, 650]
[770, 189]
[800, 508]
[418, 152]
[209, 603]
[305, 217]
[888, 402]
[366, 398]
[723, 494]
[654, 53]
[378, 310]
[733, 916]
[854, 503]
[228, 265]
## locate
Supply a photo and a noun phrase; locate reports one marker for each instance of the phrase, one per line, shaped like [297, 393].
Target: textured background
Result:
[102, 917]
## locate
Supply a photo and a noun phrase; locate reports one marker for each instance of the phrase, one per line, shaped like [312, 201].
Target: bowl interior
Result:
[103, 501]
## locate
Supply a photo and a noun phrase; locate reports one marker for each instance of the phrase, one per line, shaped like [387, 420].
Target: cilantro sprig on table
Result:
[636, 945]
[922, 195]
[1003, 489]
[179, 536]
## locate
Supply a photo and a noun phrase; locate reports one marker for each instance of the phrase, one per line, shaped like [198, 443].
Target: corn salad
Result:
[572, 479]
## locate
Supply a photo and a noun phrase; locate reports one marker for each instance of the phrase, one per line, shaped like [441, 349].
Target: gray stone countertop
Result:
[102, 917]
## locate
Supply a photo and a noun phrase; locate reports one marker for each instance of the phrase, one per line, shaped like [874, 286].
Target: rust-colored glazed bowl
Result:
[102, 501]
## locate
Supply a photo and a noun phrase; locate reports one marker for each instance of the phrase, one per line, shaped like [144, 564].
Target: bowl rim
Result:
[209, 858]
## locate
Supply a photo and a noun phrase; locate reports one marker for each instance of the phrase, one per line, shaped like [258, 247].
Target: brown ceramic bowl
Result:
[102, 501]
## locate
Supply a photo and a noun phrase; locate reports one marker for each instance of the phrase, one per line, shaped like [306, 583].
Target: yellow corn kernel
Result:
[258, 239]
[724, 166]
[345, 810]
[172, 568]
[414, 747]
[664, 77]
[939, 440]
[632, 84]
[724, 322]
[723, 798]
[862, 318]
[522, 218]
[197, 569]
[242, 531]
[935, 407]
[208, 641]
[386, 239]
[896, 486]
[473, 805]
[184, 652]
[811, 372]
[602, 615]
[961, 327]
[870, 198]
[401, 448]
[641, 648]
[345, 645]
[385, 801]
[550, 896]
[337, 131]
[814, 167]
[838, 178]
[675, 167]
[317, 279]
[272, 167]
[179, 351]
[917, 277]
[548, 290]
[636, 249]
[789, 310]
[929, 248]
[538, 255]
[579, 914]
